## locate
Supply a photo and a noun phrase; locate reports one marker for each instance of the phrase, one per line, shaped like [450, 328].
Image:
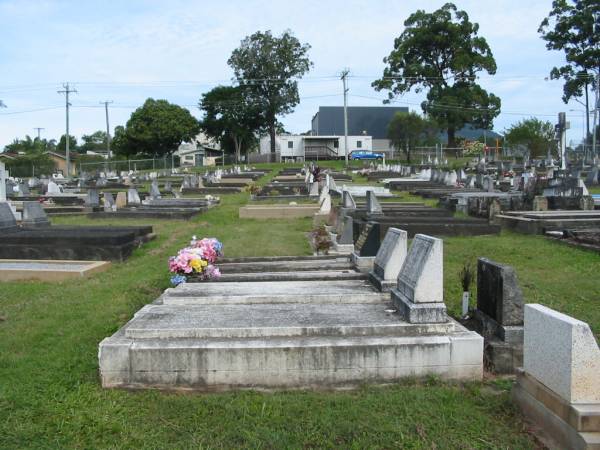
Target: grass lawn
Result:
[50, 395]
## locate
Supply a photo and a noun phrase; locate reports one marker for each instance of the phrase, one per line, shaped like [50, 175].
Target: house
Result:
[6, 156]
[60, 162]
[299, 147]
[202, 151]
[362, 120]
[374, 121]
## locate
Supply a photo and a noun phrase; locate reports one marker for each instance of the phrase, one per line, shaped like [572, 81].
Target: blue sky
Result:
[130, 50]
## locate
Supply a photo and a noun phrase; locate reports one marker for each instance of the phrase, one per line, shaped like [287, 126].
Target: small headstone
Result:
[154, 192]
[389, 259]
[373, 206]
[168, 186]
[93, 198]
[121, 200]
[34, 215]
[498, 293]
[314, 189]
[7, 218]
[325, 205]
[419, 294]
[53, 188]
[23, 190]
[133, 198]
[348, 201]
[346, 236]
[109, 202]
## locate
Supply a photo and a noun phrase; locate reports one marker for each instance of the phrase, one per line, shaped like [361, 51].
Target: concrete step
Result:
[310, 275]
[284, 363]
[273, 320]
[330, 291]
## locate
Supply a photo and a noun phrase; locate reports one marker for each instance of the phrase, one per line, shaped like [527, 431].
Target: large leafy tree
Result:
[155, 129]
[230, 117]
[574, 28]
[269, 67]
[534, 134]
[441, 53]
[62, 144]
[408, 129]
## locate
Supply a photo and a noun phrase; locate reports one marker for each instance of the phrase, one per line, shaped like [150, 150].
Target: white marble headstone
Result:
[421, 278]
[391, 254]
[562, 354]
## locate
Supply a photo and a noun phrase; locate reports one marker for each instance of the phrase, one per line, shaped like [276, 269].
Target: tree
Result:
[408, 129]
[29, 145]
[441, 52]
[62, 144]
[155, 129]
[95, 142]
[533, 133]
[230, 116]
[572, 28]
[268, 67]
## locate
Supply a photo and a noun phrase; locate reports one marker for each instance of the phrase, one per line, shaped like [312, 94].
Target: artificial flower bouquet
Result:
[197, 261]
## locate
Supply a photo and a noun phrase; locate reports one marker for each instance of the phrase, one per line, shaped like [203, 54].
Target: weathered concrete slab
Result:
[273, 320]
[277, 211]
[346, 291]
[310, 275]
[51, 270]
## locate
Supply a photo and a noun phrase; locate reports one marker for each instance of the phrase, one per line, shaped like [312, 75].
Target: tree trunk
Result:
[238, 148]
[272, 134]
[451, 138]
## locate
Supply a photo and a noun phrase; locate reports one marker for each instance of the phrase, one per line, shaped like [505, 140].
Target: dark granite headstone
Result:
[369, 240]
[34, 215]
[498, 292]
[7, 219]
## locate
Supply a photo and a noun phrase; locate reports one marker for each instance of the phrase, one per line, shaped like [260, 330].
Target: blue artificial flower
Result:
[178, 279]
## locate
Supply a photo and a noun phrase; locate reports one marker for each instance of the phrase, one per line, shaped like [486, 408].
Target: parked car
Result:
[365, 154]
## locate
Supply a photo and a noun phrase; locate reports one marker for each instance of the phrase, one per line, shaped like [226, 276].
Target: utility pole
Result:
[67, 91]
[596, 107]
[38, 129]
[345, 73]
[106, 103]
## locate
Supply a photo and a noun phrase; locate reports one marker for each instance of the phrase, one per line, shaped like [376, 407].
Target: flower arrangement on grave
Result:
[197, 260]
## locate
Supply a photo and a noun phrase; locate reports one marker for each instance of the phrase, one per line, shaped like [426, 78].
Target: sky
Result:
[127, 51]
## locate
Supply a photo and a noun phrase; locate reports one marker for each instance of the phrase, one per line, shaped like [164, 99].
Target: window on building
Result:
[336, 144]
[358, 144]
[189, 157]
[290, 144]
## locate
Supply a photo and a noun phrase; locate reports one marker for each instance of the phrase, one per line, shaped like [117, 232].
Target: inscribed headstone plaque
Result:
[498, 292]
[391, 254]
[421, 278]
[369, 240]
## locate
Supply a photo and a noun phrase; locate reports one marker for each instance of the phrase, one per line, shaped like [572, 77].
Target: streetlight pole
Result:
[345, 73]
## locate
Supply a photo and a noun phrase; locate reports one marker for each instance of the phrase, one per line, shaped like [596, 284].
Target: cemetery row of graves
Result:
[376, 305]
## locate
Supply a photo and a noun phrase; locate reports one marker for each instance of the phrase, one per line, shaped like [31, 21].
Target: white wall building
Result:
[301, 147]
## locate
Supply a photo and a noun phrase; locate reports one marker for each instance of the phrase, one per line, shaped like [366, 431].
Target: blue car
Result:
[365, 154]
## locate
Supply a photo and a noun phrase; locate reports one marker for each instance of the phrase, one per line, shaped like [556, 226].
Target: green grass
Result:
[50, 395]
